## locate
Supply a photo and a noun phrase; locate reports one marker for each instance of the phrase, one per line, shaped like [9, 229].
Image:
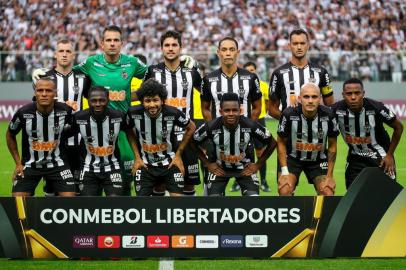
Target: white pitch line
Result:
[166, 264]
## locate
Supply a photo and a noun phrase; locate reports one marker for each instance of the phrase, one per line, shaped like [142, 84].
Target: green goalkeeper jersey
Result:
[116, 77]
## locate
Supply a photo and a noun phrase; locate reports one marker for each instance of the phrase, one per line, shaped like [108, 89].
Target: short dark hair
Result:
[298, 31]
[228, 38]
[229, 97]
[141, 57]
[172, 34]
[113, 28]
[353, 80]
[48, 78]
[250, 63]
[150, 88]
[98, 88]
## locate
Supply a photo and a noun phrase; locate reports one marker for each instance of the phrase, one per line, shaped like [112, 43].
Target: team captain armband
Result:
[326, 90]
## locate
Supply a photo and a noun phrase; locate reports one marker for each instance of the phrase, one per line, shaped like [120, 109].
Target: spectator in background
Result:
[396, 67]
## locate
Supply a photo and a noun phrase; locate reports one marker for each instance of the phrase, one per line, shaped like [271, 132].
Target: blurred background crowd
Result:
[350, 38]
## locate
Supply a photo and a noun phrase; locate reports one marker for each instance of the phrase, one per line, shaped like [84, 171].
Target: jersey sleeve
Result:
[148, 74]
[384, 113]
[261, 133]
[325, 84]
[275, 87]
[180, 119]
[255, 90]
[129, 120]
[15, 124]
[206, 93]
[139, 68]
[124, 126]
[284, 125]
[332, 127]
[201, 134]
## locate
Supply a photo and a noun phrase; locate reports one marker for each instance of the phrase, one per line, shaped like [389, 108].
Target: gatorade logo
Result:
[182, 241]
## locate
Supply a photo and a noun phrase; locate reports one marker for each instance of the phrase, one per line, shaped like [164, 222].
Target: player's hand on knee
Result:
[215, 169]
[38, 73]
[190, 62]
[250, 169]
[18, 171]
[286, 184]
[326, 186]
[177, 161]
[138, 164]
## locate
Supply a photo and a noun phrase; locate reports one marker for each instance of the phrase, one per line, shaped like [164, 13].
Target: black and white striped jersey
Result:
[156, 138]
[179, 84]
[307, 138]
[41, 135]
[364, 131]
[230, 146]
[244, 83]
[287, 79]
[99, 139]
[71, 88]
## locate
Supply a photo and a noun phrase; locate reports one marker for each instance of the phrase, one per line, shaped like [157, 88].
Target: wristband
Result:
[284, 170]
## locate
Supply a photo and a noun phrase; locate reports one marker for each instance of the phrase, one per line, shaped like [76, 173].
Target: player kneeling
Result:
[154, 123]
[230, 135]
[303, 133]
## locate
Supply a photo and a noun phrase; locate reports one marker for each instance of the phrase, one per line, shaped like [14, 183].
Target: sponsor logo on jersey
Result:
[126, 65]
[213, 79]
[84, 241]
[158, 241]
[136, 116]
[62, 113]
[308, 147]
[207, 241]
[357, 140]
[44, 146]
[108, 241]
[370, 112]
[231, 241]
[231, 158]
[28, 116]
[97, 64]
[157, 70]
[116, 120]
[324, 118]
[341, 112]
[133, 241]
[246, 130]
[169, 118]
[182, 241]
[256, 241]
[283, 71]
[316, 70]
[245, 77]
[179, 102]
[100, 151]
[117, 95]
[14, 125]
[81, 122]
[153, 148]
[294, 118]
[388, 116]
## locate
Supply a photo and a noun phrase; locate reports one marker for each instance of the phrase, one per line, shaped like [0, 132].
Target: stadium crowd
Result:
[357, 38]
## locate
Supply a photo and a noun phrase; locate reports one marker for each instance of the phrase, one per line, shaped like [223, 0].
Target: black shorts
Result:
[147, 179]
[355, 164]
[257, 143]
[312, 169]
[93, 184]
[190, 160]
[60, 179]
[216, 185]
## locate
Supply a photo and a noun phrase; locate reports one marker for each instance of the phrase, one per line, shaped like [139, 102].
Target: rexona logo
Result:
[231, 241]
[158, 241]
[84, 241]
[108, 241]
[133, 241]
[207, 241]
[256, 241]
[182, 241]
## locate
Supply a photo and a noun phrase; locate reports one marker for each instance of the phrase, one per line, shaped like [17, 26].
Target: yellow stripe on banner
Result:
[297, 247]
[389, 237]
[20, 208]
[318, 207]
[41, 248]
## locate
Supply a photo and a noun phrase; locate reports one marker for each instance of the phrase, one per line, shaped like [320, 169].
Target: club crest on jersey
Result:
[185, 84]
[242, 145]
[164, 134]
[241, 92]
[124, 74]
[320, 134]
[367, 128]
[75, 89]
[57, 129]
[89, 139]
[111, 136]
